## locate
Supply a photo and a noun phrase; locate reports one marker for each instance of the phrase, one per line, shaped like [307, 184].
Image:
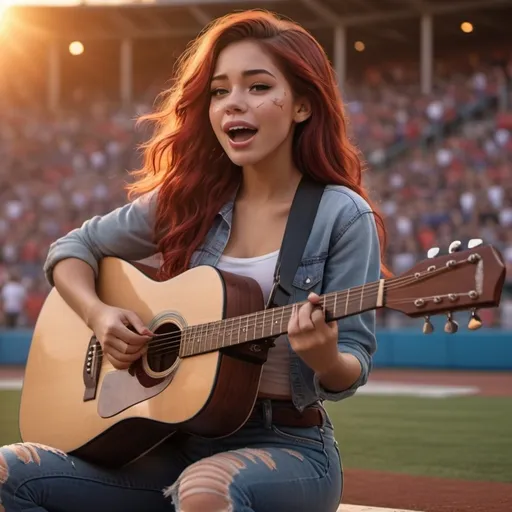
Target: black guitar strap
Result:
[298, 228]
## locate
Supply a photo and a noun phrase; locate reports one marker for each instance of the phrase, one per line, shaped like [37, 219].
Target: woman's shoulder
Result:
[339, 209]
[341, 200]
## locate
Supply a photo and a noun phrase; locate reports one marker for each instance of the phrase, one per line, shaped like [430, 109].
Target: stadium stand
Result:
[440, 161]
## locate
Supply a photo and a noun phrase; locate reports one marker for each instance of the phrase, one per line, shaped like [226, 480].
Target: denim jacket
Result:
[342, 251]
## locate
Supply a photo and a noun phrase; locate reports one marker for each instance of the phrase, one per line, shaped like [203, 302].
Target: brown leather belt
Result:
[286, 415]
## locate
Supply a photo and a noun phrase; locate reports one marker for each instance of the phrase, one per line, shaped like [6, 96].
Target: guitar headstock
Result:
[460, 280]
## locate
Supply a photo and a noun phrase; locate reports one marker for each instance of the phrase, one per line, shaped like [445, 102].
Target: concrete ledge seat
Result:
[362, 508]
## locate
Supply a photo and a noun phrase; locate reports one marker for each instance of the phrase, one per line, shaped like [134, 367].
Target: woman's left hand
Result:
[311, 337]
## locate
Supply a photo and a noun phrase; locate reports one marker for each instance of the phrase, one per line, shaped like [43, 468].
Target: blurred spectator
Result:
[461, 189]
[13, 295]
[56, 170]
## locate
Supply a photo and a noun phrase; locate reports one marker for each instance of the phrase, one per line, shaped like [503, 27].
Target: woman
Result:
[274, 114]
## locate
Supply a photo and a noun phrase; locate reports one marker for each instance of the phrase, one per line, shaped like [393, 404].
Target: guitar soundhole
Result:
[164, 349]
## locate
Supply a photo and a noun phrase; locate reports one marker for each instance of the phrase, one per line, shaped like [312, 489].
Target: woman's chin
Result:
[244, 159]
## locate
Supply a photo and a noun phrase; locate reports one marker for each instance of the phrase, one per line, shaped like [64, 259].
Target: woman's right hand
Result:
[120, 344]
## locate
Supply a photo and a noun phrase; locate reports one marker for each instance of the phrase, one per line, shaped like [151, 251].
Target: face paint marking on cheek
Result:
[278, 102]
[261, 104]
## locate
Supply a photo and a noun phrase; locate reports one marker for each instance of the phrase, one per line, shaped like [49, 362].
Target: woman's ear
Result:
[302, 111]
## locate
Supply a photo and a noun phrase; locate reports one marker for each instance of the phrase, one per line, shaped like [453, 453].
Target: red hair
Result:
[186, 161]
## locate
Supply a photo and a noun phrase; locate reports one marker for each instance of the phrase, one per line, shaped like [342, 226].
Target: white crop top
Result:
[275, 379]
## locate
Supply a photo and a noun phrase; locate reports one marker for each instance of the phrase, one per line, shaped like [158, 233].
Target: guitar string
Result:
[396, 283]
[389, 286]
[245, 320]
[170, 346]
[174, 340]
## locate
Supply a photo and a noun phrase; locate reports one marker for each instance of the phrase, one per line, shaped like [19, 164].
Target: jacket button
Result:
[307, 280]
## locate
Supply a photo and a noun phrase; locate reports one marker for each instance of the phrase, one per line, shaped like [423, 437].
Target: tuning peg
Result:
[455, 246]
[451, 326]
[433, 252]
[428, 328]
[475, 322]
[475, 242]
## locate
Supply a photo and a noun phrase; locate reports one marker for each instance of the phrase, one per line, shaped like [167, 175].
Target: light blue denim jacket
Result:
[342, 251]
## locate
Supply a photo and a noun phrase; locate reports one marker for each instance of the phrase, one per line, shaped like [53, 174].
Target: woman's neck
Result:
[275, 179]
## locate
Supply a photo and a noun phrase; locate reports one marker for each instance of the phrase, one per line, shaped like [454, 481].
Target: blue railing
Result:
[486, 349]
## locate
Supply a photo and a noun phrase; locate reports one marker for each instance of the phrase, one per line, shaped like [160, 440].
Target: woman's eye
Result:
[260, 87]
[256, 87]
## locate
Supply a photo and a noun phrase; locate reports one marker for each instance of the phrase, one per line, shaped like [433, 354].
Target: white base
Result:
[359, 508]
[419, 390]
[10, 384]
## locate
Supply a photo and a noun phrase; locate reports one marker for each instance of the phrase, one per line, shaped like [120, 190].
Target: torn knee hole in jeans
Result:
[215, 474]
[26, 453]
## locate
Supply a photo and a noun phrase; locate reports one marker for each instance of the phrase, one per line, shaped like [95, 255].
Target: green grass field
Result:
[9, 403]
[464, 437]
[467, 438]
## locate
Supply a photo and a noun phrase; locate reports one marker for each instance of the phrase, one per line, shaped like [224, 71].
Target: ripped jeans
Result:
[260, 468]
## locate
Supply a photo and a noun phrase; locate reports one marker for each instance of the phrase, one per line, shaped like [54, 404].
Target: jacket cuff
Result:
[333, 396]
[59, 252]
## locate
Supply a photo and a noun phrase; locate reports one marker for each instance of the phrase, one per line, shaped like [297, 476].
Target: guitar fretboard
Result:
[202, 338]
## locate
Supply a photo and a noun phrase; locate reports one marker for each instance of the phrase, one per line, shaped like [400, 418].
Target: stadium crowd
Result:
[58, 169]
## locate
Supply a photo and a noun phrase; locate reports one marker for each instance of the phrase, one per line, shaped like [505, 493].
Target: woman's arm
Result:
[354, 260]
[126, 233]
[74, 280]
[72, 262]
[72, 266]
[339, 353]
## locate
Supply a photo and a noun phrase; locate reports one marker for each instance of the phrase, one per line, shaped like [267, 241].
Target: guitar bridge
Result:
[92, 368]
[252, 352]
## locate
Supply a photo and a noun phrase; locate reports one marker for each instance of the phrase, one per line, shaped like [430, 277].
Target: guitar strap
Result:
[298, 228]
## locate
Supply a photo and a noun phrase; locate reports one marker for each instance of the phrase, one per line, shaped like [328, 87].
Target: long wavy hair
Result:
[186, 163]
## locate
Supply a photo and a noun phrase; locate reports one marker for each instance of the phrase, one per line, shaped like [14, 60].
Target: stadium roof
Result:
[142, 19]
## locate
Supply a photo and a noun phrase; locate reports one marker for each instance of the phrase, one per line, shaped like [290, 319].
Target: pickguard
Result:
[122, 389]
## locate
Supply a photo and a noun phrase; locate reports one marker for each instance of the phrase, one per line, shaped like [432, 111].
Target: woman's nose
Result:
[235, 103]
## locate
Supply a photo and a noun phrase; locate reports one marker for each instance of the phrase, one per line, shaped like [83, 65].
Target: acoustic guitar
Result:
[202, 369]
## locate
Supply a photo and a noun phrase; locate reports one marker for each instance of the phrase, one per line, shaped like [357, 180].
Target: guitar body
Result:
[202, 370]
[73, 399]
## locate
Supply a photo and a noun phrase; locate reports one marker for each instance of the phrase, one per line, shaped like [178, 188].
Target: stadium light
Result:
[359, 46]
[76, 48]
[466, 27]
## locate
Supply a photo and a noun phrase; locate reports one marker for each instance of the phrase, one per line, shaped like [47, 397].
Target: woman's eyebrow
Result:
[247, 72]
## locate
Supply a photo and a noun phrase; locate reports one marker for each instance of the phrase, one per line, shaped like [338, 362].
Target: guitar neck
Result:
[270, 323]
